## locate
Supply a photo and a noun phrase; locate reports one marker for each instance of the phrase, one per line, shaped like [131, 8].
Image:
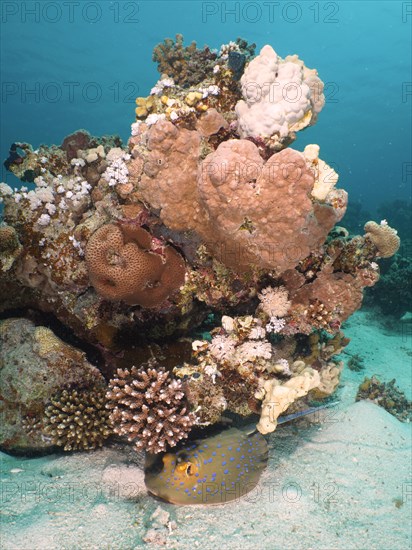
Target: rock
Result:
[35, 365]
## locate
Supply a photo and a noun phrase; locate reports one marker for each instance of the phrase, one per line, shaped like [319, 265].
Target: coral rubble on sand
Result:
[205, 216]
[386, 395]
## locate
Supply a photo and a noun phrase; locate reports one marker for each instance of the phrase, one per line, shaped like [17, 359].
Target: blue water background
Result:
[87, 61]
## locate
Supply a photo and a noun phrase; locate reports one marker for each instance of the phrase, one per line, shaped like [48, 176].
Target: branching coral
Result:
[185, 64]
[123, 266]
[77, 420]
[149, 408]
[35, 365]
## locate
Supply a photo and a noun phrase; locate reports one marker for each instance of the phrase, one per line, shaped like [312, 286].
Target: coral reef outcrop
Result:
[206, 232]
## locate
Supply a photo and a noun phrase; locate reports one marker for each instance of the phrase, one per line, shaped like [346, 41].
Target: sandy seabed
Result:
[340, 480]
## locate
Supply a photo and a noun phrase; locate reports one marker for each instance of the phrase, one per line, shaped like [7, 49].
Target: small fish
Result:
[214, 469]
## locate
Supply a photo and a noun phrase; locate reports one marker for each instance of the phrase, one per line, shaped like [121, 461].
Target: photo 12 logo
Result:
[69, 12]
[69, 92]
[270, 12]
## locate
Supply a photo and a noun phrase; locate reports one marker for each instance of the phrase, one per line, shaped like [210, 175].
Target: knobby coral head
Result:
[123, 266]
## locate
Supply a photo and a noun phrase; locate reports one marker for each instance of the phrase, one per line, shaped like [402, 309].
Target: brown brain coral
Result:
[383, 237]
[149, 408]
[123, 266]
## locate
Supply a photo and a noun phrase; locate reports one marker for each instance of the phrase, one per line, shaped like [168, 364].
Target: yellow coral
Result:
[278, 397]
[325, 176]
[329, 380]
[46, 341]
[193, 97]
[144, 106]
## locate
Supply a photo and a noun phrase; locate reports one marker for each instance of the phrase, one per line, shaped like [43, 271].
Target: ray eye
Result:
[189, 470]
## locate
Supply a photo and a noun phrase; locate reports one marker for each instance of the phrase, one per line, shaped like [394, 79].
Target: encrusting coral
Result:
[10, 247]
[148, 407]
[78, 419]
[207, 221]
